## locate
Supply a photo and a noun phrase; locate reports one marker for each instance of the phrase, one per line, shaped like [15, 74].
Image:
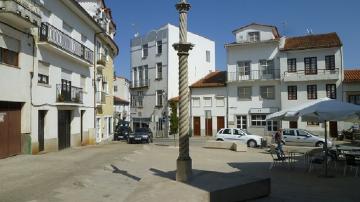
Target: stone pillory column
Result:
[184, 164]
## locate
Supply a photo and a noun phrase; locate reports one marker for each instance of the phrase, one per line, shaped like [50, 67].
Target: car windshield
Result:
[141, 130]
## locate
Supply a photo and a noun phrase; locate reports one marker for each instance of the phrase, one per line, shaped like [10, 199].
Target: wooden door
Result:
[64, 121]
[333, 129]
[10, 129]
[41, 129]
[208, 125]
[293, 124]
[197, 126]
[82, 125]
[220, 123]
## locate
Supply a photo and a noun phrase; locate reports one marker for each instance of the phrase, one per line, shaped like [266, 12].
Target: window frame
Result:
[253, 36]
[330, 62]
[41, 77]
[145, 50]
[311, 92]
[217, 98]
[159, 64]
[258, 122]
[193, 101]
[159, 100]
[208, 56]
[310, 65]
[291, 65]
[292, 92]
[207, 98]
[9, 57]
[159, 47]
[331, 91]
[244, 92]
[267, 92]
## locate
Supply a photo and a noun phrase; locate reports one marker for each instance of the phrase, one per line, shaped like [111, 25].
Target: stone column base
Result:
[184, 170]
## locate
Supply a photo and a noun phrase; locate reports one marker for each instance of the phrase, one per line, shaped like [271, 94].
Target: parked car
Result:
[121, 132]
[231, 134]
[140, 135]
[300, 137]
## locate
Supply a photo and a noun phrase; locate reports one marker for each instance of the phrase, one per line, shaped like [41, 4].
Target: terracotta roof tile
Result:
[328, 40]
[352, 75]
[213, 79]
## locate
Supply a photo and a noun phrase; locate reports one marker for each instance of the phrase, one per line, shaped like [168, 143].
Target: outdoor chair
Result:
[352, 164]
[276, 160]
[315, 157]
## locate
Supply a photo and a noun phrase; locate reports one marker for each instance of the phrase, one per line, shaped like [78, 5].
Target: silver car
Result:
[300, 137]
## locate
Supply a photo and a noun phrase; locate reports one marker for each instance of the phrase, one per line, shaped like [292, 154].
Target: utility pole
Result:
[184, 162]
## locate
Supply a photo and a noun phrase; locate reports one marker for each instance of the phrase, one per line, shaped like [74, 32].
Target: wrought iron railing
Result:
[254, 75]
[140, 84]
[319, 72]
[70, 94]
[63, 41]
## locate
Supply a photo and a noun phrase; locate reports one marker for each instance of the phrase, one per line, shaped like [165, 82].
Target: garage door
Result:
[10, 129]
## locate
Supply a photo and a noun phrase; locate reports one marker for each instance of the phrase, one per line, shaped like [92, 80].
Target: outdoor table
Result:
[294, 151]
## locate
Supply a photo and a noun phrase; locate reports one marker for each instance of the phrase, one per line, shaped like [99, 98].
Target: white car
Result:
[300, 137]
[235, 134]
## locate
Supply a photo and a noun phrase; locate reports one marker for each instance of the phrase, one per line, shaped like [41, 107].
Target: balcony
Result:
[317, 74]
[65, 43]
[100, 61]
[21, 13]
[69, 94]
[254, 75]
[100, 98]
[140, 84]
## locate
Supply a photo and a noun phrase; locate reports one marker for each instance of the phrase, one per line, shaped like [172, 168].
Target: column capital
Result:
[183, 6]
[183, 47]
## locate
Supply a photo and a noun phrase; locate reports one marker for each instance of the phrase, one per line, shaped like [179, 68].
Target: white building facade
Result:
[209, 104]
[19, 22]
[121, 99]
[154, 72]
[253, 78]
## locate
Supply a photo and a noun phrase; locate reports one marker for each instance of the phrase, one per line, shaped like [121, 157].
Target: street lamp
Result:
[184, 162]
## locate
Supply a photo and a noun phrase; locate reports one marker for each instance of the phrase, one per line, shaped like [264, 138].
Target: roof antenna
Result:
[133, 25]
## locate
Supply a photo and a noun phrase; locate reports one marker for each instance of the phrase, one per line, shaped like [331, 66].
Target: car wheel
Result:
[219, 139]
[319, 144]
[252, 143]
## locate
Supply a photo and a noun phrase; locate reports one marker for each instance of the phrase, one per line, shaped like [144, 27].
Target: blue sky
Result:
[216, 19]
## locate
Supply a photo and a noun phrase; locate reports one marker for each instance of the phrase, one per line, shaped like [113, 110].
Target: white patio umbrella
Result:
[321, 110]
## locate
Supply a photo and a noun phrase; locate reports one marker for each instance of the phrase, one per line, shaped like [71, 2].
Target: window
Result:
[159, 71]
[43, 79]
[106, 53]
[115, 88]
[236, 132]
[331, 91]
[207, 101]
[207, 56]
[330, 62]
[355, 99]
[105, 87]
[43, 74]
[254, 36]
[146, 74]
[220, 101]
[292, 92]
[272, 125]
[267, 92]
[241, 122]
[196, 102]
[140, 97]
[289, 132]
[243, 68]
[83, 38]
[312, 92]
[267, 67]
[226, 131]
[9, 57]
[302, 133]
[145, 50]
[159, 47]
[291, 63]
[133, 101]
[312, 123]
[159, 97]
[258, 120]
[310, 65]
[244, 93]
[67, 28]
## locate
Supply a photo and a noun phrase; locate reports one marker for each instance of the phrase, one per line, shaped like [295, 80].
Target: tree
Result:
[174, 119]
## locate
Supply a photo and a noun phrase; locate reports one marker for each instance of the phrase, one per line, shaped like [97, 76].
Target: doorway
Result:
[41, 129]
[208, 128]
[82, 125]
[333, 129]
[197, 126]
[64, 126]
[220, 123]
